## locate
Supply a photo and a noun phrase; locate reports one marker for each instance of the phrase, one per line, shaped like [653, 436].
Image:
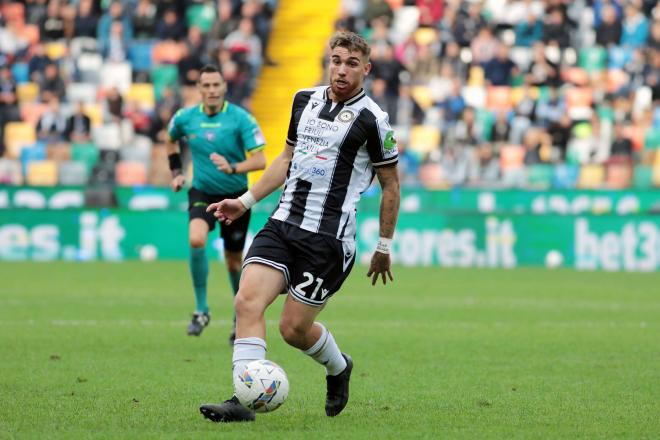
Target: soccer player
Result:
[220, 135]
[338, 140]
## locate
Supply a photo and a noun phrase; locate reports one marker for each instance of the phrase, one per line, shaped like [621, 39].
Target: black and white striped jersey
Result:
[336, 147]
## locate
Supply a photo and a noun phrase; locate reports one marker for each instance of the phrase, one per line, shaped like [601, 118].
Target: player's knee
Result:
[234, 265]
[294, 333]
[246, 305]
[197, 241]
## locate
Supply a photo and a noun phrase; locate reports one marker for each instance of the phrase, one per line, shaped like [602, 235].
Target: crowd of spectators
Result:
[122, 66]
[517, 92]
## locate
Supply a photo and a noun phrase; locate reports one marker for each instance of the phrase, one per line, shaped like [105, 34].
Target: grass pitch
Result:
[100, 351]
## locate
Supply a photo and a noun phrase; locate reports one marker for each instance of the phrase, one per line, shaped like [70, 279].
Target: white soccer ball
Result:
[553, 259]
[262, 386]
[148, 252]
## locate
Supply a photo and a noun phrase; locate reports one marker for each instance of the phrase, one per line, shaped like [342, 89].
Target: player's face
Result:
[212, 88]
[347, 71]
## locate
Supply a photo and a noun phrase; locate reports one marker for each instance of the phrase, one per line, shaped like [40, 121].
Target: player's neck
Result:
[345, 97]
[212, 110]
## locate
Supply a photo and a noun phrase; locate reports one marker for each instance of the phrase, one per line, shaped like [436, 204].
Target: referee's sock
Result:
[234, 279]
[199, 270]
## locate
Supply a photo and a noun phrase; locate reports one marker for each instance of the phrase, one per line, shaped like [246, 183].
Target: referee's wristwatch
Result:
[233, 168]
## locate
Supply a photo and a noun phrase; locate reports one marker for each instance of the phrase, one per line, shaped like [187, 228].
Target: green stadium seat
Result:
[485, 119]
[85, 153]
[643, 177]
[593, 59]
[652, 139]
[540, 176]
[162, 76]
[201, 16]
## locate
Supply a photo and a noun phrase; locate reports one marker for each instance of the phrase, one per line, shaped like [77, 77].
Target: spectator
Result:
[144, 19]
[8, 102]
[86, 21]
[170, 27]
[467, 131]
[51, 127]
[635, 27]
[621, 145]
[500, 70]
[52, 25]
[501, 129]
[52, 83]
[556, 29]
[11, 41]
[524, 113]
[452, 56]
[654, 36]
[226, 22]
[528, 31]
[244, 40]
[483, 46]
[38, 63]
[78, 126]
[532, 145]
[609, 31]
[486, 166]
[542, 72]
[114, 105]
[117, 44]
[115, 13]
[467, 26]
[551, 109]
[430, 12]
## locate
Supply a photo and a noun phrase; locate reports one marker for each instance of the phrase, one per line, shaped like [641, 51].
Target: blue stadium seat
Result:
[20, 72]
[36, 152]
[139, 54]
[565, 176]
[618, 57]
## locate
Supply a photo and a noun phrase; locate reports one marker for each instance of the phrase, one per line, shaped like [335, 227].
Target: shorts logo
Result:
[346, 116]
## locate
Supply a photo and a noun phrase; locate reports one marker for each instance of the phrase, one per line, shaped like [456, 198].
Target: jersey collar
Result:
[225, 105]
[352, 100]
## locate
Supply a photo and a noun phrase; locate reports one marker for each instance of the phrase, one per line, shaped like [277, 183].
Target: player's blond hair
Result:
[351, 41]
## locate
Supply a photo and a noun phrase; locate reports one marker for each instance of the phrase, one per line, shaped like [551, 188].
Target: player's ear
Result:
[367, 68]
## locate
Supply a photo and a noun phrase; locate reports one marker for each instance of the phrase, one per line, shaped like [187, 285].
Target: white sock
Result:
[247, 350]
[326, 352]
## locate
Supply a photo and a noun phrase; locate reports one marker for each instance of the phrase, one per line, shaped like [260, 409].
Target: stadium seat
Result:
[56, 50]
[643, 177]
[81, 92]
[476, 77]
[656, 171]
[81, 45]
[139, 54]
[130, 173]
[579, 97]
[30, 33]
[17, 136]
[87, 154]
[166, 52]
[522, 57]
[107, 137]
[616, 79]
[618, 57]
[576, 76]
[498, 98]
[201, 15]
[592, 59]
[424, 36]
[95, 114]
[424, 139]
[485, 120]
[143, 94]
[42, 173]
[89, 67]
[591, 177]
[474, 96]
[163, 76]
[511, 157]
[27, 92]
[540, 176]
[652, 139]
[20, 72]
[59, 152]
[431, 176]
[31, 153]
[117, 75]
[10, 172]
[636, 134]
[31, 112]
[422, 95]
[139, 151]
[565, 176]
[619, 175]
[73, 173]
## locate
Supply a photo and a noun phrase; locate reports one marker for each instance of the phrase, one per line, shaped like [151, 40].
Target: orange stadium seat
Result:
[576, 75]
[619, 175]
[167, 52]
[130, 173]
[591, 177]
[31, 112]
[511, 157]
[579, 97]
[636, 134]
[30, 33]
[13, 12]
[17, 136]
[498, 98]
[616, 78]
[656, 170]
[42, 173]
[431, 176]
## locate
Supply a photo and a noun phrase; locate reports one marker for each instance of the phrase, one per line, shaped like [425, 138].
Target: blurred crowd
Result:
[87, 87]
[517, 92]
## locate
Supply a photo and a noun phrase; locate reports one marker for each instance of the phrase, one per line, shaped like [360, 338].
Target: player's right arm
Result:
[229, 210]
[175, 132]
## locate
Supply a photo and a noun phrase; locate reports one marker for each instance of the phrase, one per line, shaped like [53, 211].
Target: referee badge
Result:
[346, 116]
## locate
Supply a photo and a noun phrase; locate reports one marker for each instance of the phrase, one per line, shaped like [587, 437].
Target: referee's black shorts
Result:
[234, 235]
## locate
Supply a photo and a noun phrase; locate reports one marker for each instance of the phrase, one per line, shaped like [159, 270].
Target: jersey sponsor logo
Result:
[313, 171]
[210, 125]
[346, 116]
[210, 136]
[389, 142]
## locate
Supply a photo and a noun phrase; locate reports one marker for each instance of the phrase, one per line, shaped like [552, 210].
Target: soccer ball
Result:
[553, 259]
[262, 386]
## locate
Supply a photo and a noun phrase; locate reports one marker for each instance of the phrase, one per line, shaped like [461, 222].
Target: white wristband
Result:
[384, 245]
[247, 200]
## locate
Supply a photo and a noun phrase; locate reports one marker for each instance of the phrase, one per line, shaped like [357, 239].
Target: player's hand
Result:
[178, 182]
[220, 162]
[227, 210]
[380, 266]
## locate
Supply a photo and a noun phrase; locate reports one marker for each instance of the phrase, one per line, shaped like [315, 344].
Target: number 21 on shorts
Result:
[318, 293]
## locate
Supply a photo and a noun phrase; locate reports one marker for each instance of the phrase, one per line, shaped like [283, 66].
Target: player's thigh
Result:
[198, 231]
[198, 201]
[260, 285]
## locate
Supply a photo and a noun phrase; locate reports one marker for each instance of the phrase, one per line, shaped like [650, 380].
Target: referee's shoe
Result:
[198, 322]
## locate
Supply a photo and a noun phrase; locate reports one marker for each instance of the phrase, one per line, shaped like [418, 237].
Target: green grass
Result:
[100, 351]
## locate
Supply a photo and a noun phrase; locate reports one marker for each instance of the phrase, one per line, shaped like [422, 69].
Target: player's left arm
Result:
[255, 161]
[388, 177]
